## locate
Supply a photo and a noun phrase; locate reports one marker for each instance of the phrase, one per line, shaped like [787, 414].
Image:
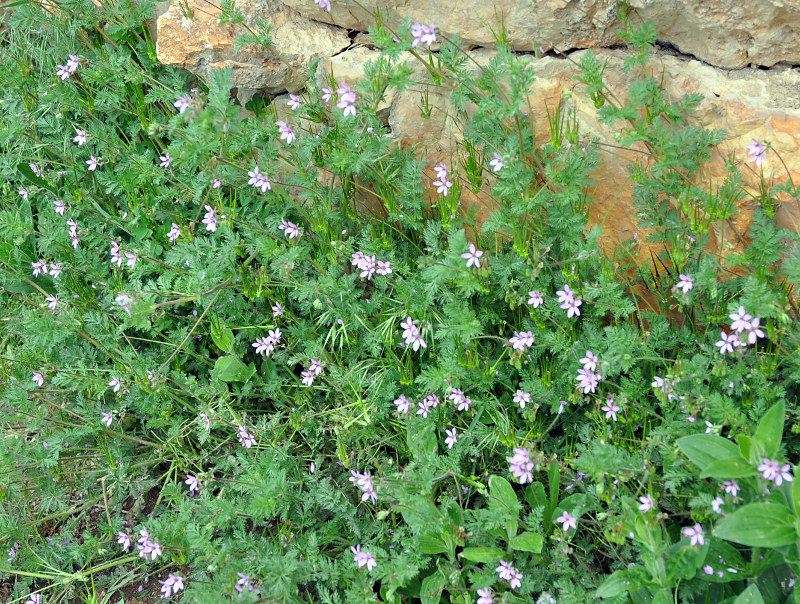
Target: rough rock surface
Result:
[190, 37]
[726, 33]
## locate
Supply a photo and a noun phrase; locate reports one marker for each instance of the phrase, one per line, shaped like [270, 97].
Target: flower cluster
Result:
[290, 229]
[510, 574]
[172, 584]
[521, 340]
[312, 372]
[370, 265]
[423, 34]
[73, 232]
[146, 546]
[587, 378]
[774, 471]
[65, 71]
[411, 334]
[347, 100]
[246, 439]
[757, 152]
[210, 219]
[568, 301]
[441, 183]
[286, 132]
[259, 180]
[266, 345]
[520, 465]
[425, 405]
[364, 482]
[461, 402]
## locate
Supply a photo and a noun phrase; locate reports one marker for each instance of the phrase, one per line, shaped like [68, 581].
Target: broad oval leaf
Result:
[770, 430]
[727, 469]
[527, 542]
[703, 449]
[759, 525]
[481, 554]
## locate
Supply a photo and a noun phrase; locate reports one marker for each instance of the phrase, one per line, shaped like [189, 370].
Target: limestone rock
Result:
[189, 36]
[726, 33]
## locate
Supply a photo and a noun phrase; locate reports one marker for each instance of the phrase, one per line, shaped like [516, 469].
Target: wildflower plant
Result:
[226, 374]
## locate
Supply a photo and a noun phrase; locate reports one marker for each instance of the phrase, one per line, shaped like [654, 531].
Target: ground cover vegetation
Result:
[224, 378]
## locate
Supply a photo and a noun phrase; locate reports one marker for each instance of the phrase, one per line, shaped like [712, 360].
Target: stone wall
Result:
[742, 57]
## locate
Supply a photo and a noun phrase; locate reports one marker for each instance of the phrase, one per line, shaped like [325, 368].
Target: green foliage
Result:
[340, 386]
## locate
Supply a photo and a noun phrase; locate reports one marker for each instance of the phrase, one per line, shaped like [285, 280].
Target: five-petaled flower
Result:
[347, 99]
[172, 584]
[193, 483]
[166, 159]
[363, 558]
[80, 137]
[496, 163]
[509, 573]
[107, 419]
[326, 4]
[293, 102]
[567, 522]
[727, 342]
[451, 437]
[210, 219]
[286, 132]
[258, 180]
[522, 398]
[290, 229]
[485, 596]
[411, 334]
[646, 503]
[473, 256]
[610, 409]
[521, 340]
[684, 283]
[92, 163]
[115, 384]
[695, 534]
[124, 539]
[37, 379]
[757, 152]
[535, 299]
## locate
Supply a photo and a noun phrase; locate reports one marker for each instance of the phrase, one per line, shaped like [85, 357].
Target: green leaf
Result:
[796, 492]
[431, 590]
[726, 469]
[503, 498]
[432, 545]
[222, 336]
[751, 595]
[615, 585]
[527, 542]
[759, 525]
[231, 369]
[703, 449]
[481, 554]
[770, 430]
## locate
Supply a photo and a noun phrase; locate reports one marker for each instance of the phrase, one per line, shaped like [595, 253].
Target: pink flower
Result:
[384, 268]
[716, 504]
[277, 309]
[58, 207]
[411, 334]
[125, 301]
[731, 487]
[166, 159]
[193, 483]
[52, 302]
[461, 402]
[73, 62]
[569, 302]
[259, 181]
[92, 163]
[610, 409]
[473, 256]
[246, 439]
[364, 483]
[290, 229]
[522, 398]
[326, 4]
[772, 470]
[55, 270]
[147, 547]
[107, 419]
[754, 332]
[568, 522]
[695, 534]
[39, 267]
[62, 72]
[485, 596]
[590, 361]
[740, 320]
[509, 573]
[756, 151]
[684, 283]
[293, 102]
[286, 132]
[363, 558]
[308, 377]
[520, 465]
[34, 599]
[216, 183]
[588, 380]
[266, 345]
[347, 99]
[73, 232]
[647, 503]
[451, 438]
[423, 34]
[115, 384]
[80, 137]
[441, 170]
[403, 404]
[521, 340]
[174, 233]
[131, 262]
[327, 93]
[172, 584]
[727, 342]
[443, 186]
[496, 163]
[124, 539]
[535, 299]
[38, 379]
[210, 219]
[24, 192]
